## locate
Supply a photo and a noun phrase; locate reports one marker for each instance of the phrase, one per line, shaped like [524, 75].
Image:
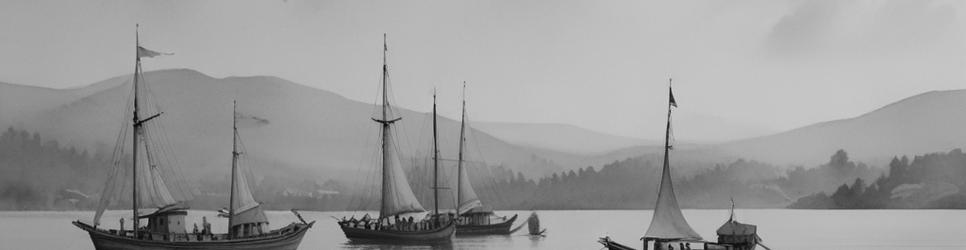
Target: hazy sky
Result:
[741, 68]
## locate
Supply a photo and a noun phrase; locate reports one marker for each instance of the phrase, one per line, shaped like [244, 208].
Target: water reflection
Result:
[396, 246]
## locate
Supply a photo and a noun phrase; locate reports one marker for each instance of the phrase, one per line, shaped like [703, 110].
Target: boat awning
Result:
[733, 227]
[173, 208]
[480, 210]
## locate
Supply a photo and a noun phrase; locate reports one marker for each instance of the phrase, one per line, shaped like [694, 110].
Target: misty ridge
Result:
[315, 152]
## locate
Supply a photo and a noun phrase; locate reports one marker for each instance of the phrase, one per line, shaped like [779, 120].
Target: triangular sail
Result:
[152, 172]
[244, 206]
[468, 198]
[397, 195]
[668, 222]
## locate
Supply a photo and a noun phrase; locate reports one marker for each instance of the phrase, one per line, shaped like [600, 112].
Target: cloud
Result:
[843, 28]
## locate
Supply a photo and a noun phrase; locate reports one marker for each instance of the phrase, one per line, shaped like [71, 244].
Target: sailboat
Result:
[166, 224]
[474, 218]
[668, 225]
[397, 198]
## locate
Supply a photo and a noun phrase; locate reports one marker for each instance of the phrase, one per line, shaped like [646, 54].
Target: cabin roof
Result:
[479, 210]
[733, 227]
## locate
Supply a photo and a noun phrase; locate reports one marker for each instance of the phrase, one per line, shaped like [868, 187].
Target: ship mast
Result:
[435, 161]
[385, 125]
[667, 131]
[137, 126]
[234, 166]
[459, 162]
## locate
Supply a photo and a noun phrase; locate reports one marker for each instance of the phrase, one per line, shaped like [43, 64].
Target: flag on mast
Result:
[249, 121]
[142, 53]
[673, 103]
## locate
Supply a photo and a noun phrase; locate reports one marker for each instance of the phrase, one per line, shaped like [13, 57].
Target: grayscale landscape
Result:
[816, 124]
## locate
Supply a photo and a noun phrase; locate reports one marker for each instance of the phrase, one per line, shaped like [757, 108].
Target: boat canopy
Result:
[252, 215]
[479, 210]
[733, 227]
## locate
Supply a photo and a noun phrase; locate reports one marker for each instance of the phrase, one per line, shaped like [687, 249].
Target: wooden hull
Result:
[437, 235]
[286, 239]
[502, 228]
[611, 245]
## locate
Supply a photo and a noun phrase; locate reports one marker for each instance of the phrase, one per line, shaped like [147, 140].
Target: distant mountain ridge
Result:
[934, 121]
[309, 128]
[560, 137]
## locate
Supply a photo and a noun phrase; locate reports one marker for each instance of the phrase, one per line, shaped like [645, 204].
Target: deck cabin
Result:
[738, 236]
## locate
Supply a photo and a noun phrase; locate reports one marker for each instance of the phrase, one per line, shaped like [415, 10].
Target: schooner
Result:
[151, 188]
[397, 198]
[474, 218]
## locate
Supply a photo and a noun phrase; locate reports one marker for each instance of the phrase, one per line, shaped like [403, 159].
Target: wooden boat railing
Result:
[196, 237]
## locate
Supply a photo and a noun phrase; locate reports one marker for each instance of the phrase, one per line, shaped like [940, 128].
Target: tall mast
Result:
[385, 125]
[435, 160]
[459, 162]
[732, 217]
[667, 131]
[137, 126]
[234, 165]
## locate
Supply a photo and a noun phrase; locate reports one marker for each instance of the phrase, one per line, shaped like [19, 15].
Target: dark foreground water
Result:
[780, 229]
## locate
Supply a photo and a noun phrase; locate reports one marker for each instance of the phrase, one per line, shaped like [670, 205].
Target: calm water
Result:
[780, 229]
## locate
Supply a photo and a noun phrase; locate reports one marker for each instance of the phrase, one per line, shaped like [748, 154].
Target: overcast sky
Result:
[741, 68]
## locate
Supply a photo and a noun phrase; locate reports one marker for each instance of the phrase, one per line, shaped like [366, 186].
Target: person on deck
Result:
[122, 224]
[205, 227]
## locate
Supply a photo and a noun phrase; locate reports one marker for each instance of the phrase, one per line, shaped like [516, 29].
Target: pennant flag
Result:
[673, 103]
[142, 53]
[249, 121]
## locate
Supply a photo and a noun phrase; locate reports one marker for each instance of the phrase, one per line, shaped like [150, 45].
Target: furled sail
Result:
[397, 195]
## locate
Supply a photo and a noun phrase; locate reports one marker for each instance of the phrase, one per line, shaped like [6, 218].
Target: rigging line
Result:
[160, 140]
[492, 177]
[369, 170]
[359, 200]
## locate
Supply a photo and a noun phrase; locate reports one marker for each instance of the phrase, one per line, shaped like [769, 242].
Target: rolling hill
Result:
[934, 121]
[308, 128]
[559, 137]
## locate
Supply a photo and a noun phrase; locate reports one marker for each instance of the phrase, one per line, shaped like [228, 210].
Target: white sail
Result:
[468, 198]
[152, 191]
[667, 221]
[246, 209]
[397, 195]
